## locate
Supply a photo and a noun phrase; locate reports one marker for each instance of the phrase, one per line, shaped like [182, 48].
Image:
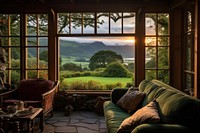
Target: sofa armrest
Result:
[117, 93]
[164, 128]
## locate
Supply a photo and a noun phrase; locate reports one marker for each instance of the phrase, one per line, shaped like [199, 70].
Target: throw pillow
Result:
[147, 114]
[131, 100]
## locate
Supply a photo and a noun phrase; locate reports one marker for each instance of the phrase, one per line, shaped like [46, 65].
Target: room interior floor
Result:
[76, 122]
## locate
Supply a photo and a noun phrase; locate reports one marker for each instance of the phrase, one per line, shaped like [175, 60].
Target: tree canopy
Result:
[104, 57]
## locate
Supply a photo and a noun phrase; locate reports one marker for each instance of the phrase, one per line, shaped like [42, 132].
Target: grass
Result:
[101, 80]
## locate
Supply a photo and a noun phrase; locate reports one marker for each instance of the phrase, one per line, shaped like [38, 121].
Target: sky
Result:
[128, 27]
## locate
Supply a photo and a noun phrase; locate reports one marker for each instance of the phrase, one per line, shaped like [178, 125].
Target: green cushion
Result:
[114, 116]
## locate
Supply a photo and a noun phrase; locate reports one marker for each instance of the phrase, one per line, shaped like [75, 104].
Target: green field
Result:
[102, 80]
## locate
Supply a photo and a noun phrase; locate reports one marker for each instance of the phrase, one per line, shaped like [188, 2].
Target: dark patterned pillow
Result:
[147, 114]
[131, 100]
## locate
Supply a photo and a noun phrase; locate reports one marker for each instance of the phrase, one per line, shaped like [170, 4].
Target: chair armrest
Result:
[48, 98]
[117, 93]
[164, 128]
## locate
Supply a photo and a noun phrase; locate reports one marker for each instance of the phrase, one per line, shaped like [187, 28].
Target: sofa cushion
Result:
[131, 100]
[114, 115]
[31, 89]
[147, 114]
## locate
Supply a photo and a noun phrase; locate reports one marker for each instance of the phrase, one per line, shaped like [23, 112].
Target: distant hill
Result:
[86, 50]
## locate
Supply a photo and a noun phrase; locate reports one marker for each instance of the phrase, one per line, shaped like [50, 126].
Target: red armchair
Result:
[34, 92]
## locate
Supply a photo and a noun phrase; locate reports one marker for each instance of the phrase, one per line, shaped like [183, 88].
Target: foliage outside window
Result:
[91, 45]
[157, 46]
[36, 46]
[189, 31]
[10, 42]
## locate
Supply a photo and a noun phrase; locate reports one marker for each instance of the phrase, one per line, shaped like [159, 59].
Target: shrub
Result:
[115, 69]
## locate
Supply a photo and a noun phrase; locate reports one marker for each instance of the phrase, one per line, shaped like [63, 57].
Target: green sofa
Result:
[179, 113]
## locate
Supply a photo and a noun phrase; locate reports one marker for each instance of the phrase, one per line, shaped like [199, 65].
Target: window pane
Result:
[150, 57]
[43, 24]
[163, 58]
[15, 41]
[88, 23]
[189, 21]
[163, 75]
[75, 67]
[43, 61]
[31, 74]
[15, 77]
[163, 24]
[31, 24]
[188, 58]
[63, 23]
[15, 24]
[4, 41]
[32, 41]
[150, 24]
[163, 41]
[4, 24]
[190, 39]
[128, 22]
[43, 74]
[43, 41]
[76, 23]
[102, 23]
[116, 22]
[31, 58]
[150, 74]
[150, 41]
[15, 58]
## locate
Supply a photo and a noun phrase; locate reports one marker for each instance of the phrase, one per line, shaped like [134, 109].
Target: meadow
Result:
[101, 80]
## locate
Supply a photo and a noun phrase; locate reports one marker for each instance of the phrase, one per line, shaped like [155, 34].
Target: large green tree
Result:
[104, 57]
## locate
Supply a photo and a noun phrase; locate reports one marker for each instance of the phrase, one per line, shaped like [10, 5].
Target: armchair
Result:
[34, 92]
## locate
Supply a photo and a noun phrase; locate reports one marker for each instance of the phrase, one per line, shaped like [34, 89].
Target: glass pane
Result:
[43, 24]
[43, 74]
[150, 41]
[188, 58]
[150, 74]
[189, 21]
[31, 58]
[115, 22]
[76, 23]
[73, 64]
[150, 24]
[189, 81]
[15, 77]
[32, 41]
[163, 75]
[43, 58]
[31, 24]
[4, 41]
[163, 58]
[15, 58]
[190, 39]
[63, 23]
[3, 24]
[15, 24]
[102, 22]
[163, 41]
[3, 59]
[88, 23]
[163, 24]
[31, 74]
[150, 57]
[128, 22]
[15, 41]
[43, 41]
